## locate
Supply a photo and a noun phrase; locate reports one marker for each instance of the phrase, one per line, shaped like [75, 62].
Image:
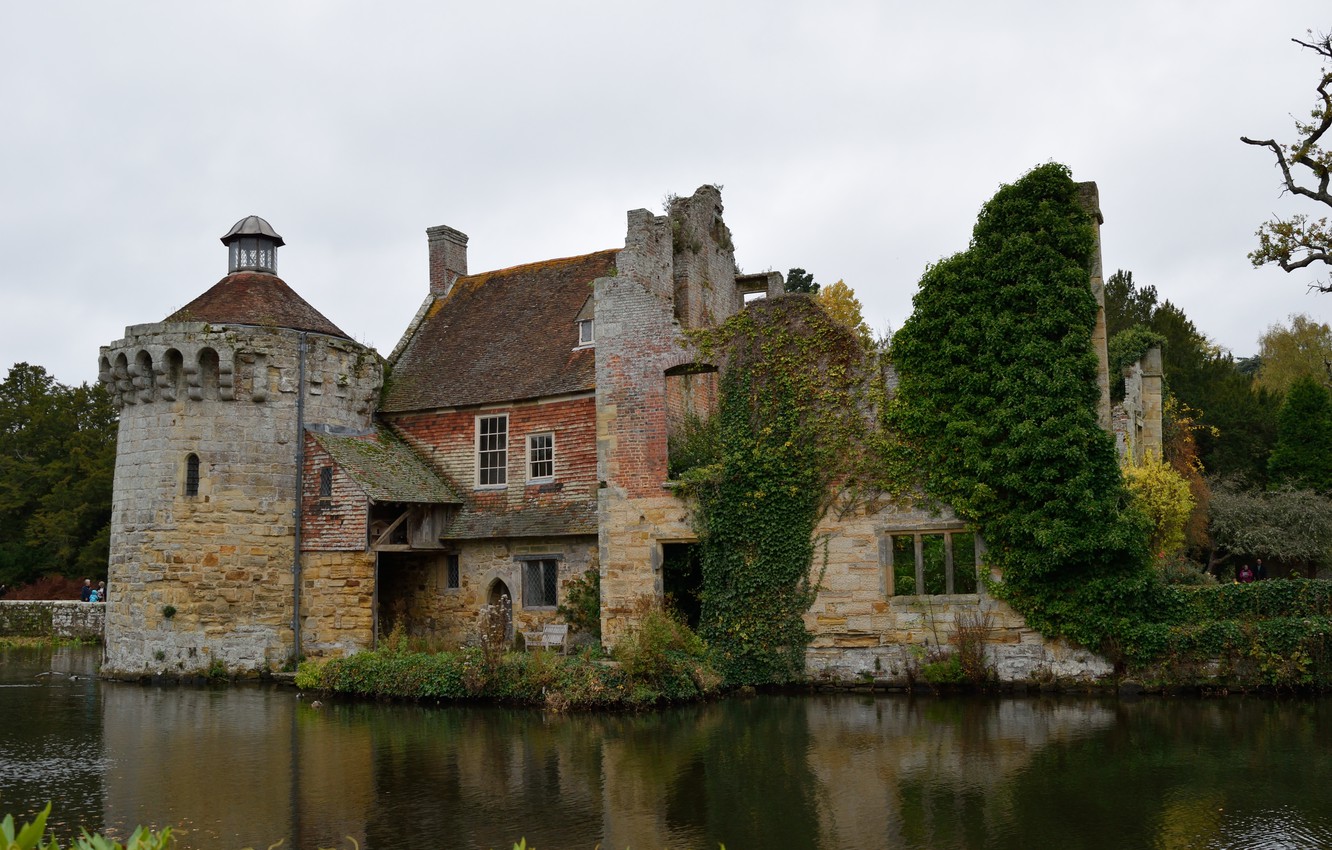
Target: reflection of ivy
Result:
[794, 418]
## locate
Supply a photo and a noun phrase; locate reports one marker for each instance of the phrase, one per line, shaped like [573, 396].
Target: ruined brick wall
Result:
[448, 440]
[675, 272]
[338, 522]
[204, 578]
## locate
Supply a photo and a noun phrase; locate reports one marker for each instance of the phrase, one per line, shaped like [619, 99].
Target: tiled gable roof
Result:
[254, 298]
[386, 468]
[501, 336]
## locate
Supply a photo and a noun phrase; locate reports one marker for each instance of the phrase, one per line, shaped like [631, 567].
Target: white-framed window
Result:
[492, 450]
[540, 582]
[541, 457]
[586, 332]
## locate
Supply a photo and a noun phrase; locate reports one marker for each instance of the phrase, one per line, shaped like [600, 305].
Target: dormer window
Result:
[586, 335]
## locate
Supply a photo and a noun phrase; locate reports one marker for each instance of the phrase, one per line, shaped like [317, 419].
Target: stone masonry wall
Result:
[337, 602]
[52, 618]
[415, 593]
[860, 630]
[202, 579]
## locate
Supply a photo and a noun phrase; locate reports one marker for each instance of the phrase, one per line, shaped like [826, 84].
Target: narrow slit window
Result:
[192, 475]
[325, 482]
[454, 578]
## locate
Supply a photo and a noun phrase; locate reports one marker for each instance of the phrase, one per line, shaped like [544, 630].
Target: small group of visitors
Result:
[1245, 574]
[93, 594]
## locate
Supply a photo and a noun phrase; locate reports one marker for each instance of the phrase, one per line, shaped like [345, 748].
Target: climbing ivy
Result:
[998, 397]
[793, 429]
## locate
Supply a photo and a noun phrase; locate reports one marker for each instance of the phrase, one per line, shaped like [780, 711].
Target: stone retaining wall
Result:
[51, 618]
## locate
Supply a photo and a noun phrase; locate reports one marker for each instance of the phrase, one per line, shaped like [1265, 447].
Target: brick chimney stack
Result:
[448, 258]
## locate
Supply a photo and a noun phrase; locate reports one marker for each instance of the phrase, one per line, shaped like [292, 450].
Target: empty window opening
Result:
[932, 563]
[492, 450]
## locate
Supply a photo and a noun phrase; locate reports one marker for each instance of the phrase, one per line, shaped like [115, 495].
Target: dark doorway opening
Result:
[682, 580]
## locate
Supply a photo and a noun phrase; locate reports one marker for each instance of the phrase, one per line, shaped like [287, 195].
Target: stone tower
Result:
[214, 402]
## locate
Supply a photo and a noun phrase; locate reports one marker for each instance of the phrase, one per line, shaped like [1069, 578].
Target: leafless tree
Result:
[1306, 168]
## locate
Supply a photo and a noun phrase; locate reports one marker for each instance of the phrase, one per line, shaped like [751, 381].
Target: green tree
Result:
[1291, 525]
[1302, 456]
[1304, 349]
[1306, 171]
[799, 280]
[1127, 306]
[998, 397]
[57, 458]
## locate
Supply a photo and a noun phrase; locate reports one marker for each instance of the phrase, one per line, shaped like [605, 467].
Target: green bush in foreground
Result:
[32, 836]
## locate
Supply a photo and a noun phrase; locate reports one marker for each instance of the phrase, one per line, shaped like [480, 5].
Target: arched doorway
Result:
[502, 598]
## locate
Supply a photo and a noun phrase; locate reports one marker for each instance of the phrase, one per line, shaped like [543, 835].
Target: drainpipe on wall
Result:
[300, 493]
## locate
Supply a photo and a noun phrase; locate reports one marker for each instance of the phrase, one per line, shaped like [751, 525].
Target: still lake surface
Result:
[245, 766]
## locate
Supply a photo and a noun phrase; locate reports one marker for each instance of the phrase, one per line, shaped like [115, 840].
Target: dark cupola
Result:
[252, 245]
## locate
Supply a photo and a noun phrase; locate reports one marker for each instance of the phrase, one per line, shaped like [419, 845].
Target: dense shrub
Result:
[663, 662]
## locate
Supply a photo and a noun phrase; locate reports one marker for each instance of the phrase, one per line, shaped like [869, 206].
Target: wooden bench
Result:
[551, 636]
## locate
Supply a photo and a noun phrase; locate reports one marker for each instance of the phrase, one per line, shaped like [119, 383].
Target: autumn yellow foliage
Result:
[1164, 497]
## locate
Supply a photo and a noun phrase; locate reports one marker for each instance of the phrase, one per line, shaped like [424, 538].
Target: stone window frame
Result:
[192, 475]
[918, 533]
[497, 454]
[548, 566]
[534, 458]
[452, 571]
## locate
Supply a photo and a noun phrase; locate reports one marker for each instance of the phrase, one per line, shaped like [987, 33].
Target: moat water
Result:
[245, 766]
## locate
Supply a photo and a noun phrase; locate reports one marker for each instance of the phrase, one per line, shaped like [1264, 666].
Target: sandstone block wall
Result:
[415, 594]
[52, 618]
[861, 630]
[208, 578]
[337, 602]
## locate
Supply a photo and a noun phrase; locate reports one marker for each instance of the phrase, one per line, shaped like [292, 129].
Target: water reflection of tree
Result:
[1179, 774]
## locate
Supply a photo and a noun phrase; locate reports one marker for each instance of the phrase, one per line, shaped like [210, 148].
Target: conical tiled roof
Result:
[255, 298]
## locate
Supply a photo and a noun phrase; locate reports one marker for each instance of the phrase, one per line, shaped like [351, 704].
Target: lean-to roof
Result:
[386, 468]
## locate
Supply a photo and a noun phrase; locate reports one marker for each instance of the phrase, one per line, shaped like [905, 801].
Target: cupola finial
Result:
[252, 245]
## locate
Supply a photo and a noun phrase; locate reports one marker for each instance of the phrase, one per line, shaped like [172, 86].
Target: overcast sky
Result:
[856, 140]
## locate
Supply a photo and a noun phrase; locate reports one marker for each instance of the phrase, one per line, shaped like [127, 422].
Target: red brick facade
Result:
[337, 522]
[449, 440]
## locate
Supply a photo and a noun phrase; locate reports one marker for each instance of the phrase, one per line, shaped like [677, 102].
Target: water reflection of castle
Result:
[246, 767]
